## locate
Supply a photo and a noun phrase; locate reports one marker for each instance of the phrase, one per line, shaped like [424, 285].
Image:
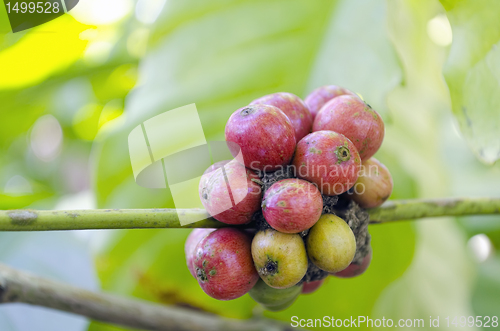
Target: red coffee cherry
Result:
[292, 205]
[264, 135]
[223, 264]
[329, 160]
[374, 185]
[317, 98]
[310, 287]
[354, 269]
[293, 107]
[234, 201]
[191, 241]
[355, 119]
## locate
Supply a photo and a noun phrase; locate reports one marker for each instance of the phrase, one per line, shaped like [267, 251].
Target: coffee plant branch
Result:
[391, 211]
[19, 286]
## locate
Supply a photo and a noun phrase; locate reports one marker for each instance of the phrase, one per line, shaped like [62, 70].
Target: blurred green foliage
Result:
[473, 73]
[223, 54]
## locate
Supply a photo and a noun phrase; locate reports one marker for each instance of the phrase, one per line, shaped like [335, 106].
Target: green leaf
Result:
[441, 275]
[17, 202]
[4, 22]
[473, 73]
[487, 291]
[357, 53]
[436, 283]
[54, 255]
[21, 66]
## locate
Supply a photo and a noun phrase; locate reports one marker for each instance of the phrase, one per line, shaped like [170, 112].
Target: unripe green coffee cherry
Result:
[331, 245]
[280, 258]
[274, 299]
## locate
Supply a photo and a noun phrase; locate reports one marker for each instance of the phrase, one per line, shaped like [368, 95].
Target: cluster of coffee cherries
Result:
[326, 142]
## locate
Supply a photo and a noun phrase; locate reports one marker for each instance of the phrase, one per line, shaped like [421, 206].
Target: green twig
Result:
[401, 210]
[47, 220]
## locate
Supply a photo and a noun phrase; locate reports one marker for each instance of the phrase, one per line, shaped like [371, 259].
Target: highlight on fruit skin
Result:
[292, 205]
[273, 299]
[293, 107]
[374, 184]
[280, 258]
[223, 264]
[355, 119]
[331, 245]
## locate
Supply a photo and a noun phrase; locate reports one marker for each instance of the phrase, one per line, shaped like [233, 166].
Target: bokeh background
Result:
[72, 89]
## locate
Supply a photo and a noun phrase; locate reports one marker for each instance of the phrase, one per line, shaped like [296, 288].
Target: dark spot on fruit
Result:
[204, 263]
[213, 272]
[247, 111]
[201, 275]
[270, 268]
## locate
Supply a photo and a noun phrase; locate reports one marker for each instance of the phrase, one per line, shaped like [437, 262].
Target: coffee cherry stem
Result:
[390, 211]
